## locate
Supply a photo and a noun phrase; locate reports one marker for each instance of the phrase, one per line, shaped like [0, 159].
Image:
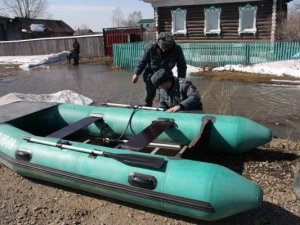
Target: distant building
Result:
[148, 24]
[81, 32]
[219, 20]
[23, 28]
[117, 35]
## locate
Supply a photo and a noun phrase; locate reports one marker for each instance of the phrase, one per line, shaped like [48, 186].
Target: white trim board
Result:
[163, 3]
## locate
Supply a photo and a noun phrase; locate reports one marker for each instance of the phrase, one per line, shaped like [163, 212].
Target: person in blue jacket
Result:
[176, 95]
[164, 53]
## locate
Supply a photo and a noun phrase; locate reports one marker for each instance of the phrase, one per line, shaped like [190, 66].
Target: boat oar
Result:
[130, 159]
[132, 106]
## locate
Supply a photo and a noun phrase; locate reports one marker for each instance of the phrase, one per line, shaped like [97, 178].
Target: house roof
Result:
[83, 32]
[146, 21]
[3, 18]
[162, 3]
[58, 26]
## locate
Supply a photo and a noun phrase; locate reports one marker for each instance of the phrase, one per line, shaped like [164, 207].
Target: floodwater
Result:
[277, 107]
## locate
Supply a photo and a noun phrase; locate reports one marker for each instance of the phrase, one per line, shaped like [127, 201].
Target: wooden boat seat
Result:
[66, 131]
[200, 143]
[142, 139]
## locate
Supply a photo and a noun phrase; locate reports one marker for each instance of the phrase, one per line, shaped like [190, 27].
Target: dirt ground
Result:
[248, 77]
[26, 201]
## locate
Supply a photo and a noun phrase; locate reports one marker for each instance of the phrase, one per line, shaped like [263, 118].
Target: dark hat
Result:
[165, 40]
[160, 77]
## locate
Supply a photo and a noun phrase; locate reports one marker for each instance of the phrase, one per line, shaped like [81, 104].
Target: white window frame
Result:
[253, 30]
[174, 12]
[206, 11]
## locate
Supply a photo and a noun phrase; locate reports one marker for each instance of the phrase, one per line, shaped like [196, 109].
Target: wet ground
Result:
[28, 201]
[276, 106]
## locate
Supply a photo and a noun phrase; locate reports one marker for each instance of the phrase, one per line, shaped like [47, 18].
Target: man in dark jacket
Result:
[164, 53]
[176, 95]
[76, 51]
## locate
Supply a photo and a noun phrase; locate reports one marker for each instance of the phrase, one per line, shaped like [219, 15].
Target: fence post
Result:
[247, 54]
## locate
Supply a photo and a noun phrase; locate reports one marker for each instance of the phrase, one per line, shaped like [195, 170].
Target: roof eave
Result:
[168, 3]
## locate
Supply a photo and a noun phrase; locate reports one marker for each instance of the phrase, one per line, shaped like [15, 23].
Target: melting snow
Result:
[65, 96]
[278, 68]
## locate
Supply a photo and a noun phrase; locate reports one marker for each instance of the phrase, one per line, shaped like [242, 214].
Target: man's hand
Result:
[135, 78]
[174, 109]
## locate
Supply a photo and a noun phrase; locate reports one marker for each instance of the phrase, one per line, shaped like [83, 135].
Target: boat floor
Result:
[149, 150]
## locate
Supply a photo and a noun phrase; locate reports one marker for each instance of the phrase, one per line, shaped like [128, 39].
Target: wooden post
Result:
[274, 20]
[156, 22]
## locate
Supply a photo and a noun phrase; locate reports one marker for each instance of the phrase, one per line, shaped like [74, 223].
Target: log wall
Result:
[229, 22]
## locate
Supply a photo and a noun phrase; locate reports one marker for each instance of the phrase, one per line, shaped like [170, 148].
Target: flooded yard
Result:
[271, 166]
[276, 106]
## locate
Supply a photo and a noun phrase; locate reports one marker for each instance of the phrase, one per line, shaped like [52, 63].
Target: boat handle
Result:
[142, 181]
[23, 155]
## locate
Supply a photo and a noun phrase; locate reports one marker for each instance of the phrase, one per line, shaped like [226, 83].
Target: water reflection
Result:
[278, 107]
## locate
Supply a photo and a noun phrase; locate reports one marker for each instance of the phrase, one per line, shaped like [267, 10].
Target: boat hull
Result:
[229, 134]
[195, 189]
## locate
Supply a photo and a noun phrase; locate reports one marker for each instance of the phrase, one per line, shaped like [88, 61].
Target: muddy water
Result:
[277, 107]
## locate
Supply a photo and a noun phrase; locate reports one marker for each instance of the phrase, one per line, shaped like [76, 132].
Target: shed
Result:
[24, 28]
[219, 20]
[117, 35]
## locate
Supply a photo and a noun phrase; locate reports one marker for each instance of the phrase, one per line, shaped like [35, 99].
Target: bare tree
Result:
[24, 8]
[289, 26]
[117, 17]
[133, 19]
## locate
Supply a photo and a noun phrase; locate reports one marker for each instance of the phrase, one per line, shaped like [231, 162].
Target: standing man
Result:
[76, 51]
[163, 54]
[176, 95]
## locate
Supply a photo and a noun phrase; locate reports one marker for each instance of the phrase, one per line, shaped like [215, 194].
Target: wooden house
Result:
[219, 20]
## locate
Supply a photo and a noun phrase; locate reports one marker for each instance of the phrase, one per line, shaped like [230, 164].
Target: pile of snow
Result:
[46, 60]
[37, 27]
[65, 96]
[35, 60]
[190, 69]
[19, 59]
[279, 68]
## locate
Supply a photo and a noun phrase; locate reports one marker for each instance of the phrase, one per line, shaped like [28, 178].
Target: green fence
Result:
[215, 54]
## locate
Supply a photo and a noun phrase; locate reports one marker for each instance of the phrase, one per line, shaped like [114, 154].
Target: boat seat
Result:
[200, 143]
[66, 131]
[142, 139]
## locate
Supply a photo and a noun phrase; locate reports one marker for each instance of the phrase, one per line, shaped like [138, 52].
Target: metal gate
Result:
[117, 35]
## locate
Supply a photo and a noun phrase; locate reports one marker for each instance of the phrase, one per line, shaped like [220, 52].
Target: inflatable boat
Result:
[133, 155]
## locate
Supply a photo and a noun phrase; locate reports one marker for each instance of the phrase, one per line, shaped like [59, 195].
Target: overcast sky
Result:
[96, 14]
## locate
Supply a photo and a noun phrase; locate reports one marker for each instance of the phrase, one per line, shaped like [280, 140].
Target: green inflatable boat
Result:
[134, 155]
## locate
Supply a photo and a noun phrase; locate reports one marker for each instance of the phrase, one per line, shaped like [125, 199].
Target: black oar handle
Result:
[130, 159]
[137, 160]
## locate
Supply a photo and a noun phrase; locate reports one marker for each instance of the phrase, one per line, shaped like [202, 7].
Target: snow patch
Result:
[46, 60]
[37, 27]
[190, 69]
[34, 60]
[65, 96]
[278, 68]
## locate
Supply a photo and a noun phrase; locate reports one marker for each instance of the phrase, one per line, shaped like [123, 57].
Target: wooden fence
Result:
[90, 46]
[215, 54]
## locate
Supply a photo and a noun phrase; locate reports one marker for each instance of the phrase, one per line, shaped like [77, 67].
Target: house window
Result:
[179, 21]
[247, 20]
[212, 21]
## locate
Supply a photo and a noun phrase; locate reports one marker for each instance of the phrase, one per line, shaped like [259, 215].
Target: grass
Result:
[244, 77]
